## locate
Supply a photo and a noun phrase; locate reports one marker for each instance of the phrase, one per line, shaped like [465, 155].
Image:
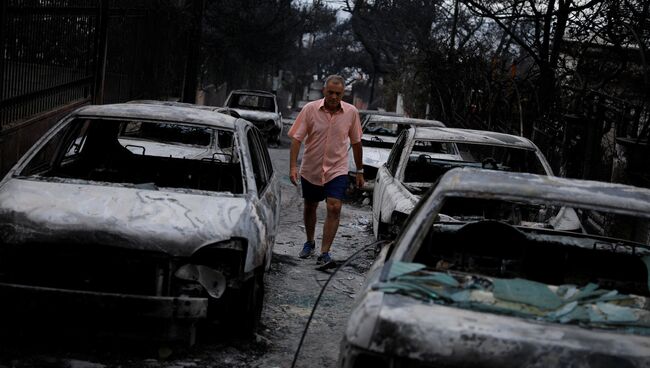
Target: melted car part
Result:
[493, 248]
[213, 281]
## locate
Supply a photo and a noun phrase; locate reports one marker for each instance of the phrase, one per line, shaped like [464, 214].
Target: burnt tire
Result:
[383, 230]
[247, 306]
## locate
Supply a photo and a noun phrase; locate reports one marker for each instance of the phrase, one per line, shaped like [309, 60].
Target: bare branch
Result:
[485, 12]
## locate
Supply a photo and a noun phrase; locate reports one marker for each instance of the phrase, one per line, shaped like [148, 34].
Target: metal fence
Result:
[62, 52]
[49, 50]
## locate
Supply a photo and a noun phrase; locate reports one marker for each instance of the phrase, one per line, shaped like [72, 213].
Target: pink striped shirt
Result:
[327, 138]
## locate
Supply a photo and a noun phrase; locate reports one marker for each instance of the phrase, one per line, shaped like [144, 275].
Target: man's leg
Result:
[331, 224]
[335, 193]
[312, 194]
[309, 217]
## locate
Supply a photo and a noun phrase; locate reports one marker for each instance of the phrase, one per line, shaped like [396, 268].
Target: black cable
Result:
[313, 309]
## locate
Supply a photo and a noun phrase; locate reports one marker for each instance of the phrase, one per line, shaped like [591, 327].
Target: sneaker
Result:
[323, 259]
[307, 249]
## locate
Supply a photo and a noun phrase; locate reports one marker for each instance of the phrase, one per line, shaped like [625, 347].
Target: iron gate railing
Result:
[49, 50]
[62, 52]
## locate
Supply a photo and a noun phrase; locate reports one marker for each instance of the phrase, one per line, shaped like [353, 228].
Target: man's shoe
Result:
[325, 262]
[323, 259]
[307, 249]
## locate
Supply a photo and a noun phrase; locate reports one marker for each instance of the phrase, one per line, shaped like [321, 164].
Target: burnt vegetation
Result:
[572, 75]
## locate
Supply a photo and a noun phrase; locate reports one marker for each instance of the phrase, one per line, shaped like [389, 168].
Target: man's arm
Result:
[293, 160]
[357, 152]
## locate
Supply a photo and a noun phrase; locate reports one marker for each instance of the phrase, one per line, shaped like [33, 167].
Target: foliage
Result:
[245, 40]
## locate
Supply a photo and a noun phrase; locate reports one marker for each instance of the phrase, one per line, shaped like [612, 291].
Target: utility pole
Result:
[101, 44]
[190, 82]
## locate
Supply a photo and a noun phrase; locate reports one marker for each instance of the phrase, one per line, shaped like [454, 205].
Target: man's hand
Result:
[357, 152]
[360, 180]
[293, 175]
[293, 161]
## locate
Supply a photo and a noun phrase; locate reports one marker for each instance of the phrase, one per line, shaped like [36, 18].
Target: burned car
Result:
[219, 109]
[364, 114]
[489, 285]
[258, 107]
[144, 211]
[379, 135]
[422, 154]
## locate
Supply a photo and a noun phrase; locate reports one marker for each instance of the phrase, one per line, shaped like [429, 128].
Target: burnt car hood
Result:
[50, 211]
[256, 115]
[397, 325]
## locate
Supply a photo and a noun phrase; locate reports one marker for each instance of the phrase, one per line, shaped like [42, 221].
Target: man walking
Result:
[327, 127]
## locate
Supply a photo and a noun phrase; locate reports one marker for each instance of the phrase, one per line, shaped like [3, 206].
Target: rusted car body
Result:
[422, 154]
[258, 107]
[141, 210]
[379, 135]
[478, 288]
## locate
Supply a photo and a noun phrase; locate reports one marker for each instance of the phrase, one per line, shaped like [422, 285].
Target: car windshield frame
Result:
[61, 139]
[401, 172]
[426, 210]
[236, 96]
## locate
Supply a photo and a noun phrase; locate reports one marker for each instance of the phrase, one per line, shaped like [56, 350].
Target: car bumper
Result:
[22, 299]
[407, 332]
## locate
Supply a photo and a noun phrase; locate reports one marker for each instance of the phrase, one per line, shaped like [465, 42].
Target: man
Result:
[327, 127]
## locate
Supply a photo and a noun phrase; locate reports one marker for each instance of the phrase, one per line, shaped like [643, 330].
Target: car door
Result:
[385, 179]
[267, 201]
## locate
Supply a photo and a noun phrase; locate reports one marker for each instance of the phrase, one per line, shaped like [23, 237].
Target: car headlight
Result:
[227, 256]
[212, 268]
[213, 281]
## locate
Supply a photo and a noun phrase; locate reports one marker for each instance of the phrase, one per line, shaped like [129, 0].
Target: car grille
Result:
[87, 267]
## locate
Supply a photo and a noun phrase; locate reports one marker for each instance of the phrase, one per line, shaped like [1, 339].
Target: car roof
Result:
[472, 136]
[596, 195]
[159, 112]
[176, 104]
[404, 120]
[379, 112]
[253, 91]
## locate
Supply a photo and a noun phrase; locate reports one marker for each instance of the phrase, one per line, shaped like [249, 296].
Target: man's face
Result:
[333, 93]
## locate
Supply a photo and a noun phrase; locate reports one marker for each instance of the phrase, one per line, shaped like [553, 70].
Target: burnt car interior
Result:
[160, 155]
[384, 128]
[422, 168]
[252, 102]
[377, 142]
[426, 168]
[504, 158]
[522, 247]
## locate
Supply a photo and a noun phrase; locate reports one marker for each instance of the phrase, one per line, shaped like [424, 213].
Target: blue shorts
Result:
[334, 188]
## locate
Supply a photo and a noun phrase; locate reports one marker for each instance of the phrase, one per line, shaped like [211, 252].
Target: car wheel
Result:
[383, 230]
[247, 307]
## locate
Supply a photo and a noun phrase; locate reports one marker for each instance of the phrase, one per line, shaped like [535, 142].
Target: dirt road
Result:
[292, 286]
